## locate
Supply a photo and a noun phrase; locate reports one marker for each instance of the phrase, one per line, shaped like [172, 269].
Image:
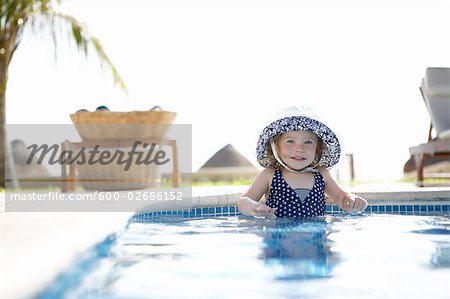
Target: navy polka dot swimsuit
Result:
[283, 197]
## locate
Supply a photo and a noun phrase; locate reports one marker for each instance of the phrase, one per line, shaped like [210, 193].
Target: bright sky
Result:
[227, 66]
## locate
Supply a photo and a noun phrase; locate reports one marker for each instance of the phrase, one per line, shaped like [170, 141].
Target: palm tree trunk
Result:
[3, 80]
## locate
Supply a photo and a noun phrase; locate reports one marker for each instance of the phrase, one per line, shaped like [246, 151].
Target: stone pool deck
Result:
[37, 246]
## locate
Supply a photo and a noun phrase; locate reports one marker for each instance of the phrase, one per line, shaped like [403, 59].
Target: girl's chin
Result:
[297, 167]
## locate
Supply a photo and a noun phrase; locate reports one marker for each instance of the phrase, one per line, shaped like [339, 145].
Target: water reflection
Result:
[441, 257]
[438, 233]
[298, 250]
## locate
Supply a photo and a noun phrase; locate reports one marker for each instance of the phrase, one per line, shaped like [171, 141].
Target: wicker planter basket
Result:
[135, 125]
[114, 177]
[107, 127]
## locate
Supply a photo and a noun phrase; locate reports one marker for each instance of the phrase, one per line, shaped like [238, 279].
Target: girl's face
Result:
[297, 149]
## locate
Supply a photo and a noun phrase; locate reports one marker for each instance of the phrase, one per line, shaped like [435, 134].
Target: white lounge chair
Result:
[435, 89]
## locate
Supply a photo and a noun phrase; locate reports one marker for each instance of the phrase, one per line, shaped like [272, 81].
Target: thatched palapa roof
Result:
[227, 164]
[227, 156]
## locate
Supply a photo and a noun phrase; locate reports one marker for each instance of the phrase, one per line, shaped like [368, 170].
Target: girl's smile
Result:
[298, 158]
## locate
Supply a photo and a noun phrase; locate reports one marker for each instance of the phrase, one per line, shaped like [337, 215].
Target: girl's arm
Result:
[249, 201]
[346, 201]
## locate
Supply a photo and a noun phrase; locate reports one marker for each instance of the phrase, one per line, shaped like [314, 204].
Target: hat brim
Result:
[332, 148]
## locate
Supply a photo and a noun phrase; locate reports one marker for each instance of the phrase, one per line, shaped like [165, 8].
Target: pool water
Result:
[368, 256]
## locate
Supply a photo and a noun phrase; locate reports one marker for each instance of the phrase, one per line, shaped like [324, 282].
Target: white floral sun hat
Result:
[299, 119]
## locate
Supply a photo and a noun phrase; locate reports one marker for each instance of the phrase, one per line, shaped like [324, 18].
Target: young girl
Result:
[296, 149]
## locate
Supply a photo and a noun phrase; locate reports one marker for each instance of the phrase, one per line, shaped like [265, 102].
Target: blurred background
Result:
[226, 67]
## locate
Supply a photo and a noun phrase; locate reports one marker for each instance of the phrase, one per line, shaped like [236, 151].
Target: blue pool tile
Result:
[224, 211]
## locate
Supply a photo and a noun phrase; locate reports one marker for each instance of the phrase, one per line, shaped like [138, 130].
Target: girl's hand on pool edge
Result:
[354, 203]
[261, 209]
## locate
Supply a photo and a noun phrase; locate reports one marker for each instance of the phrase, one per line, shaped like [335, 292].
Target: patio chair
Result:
[435, 89]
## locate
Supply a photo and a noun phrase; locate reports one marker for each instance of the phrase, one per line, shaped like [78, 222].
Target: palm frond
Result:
[41, 17]
[14, 15]
[84, 40]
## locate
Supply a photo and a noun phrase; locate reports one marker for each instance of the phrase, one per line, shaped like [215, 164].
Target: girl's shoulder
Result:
[261, 183]
[267, 174]
[324, 172]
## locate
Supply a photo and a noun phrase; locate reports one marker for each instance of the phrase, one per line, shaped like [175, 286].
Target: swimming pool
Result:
[371, 256]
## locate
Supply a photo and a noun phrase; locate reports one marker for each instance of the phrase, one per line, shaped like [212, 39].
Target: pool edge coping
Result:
[373, 198]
